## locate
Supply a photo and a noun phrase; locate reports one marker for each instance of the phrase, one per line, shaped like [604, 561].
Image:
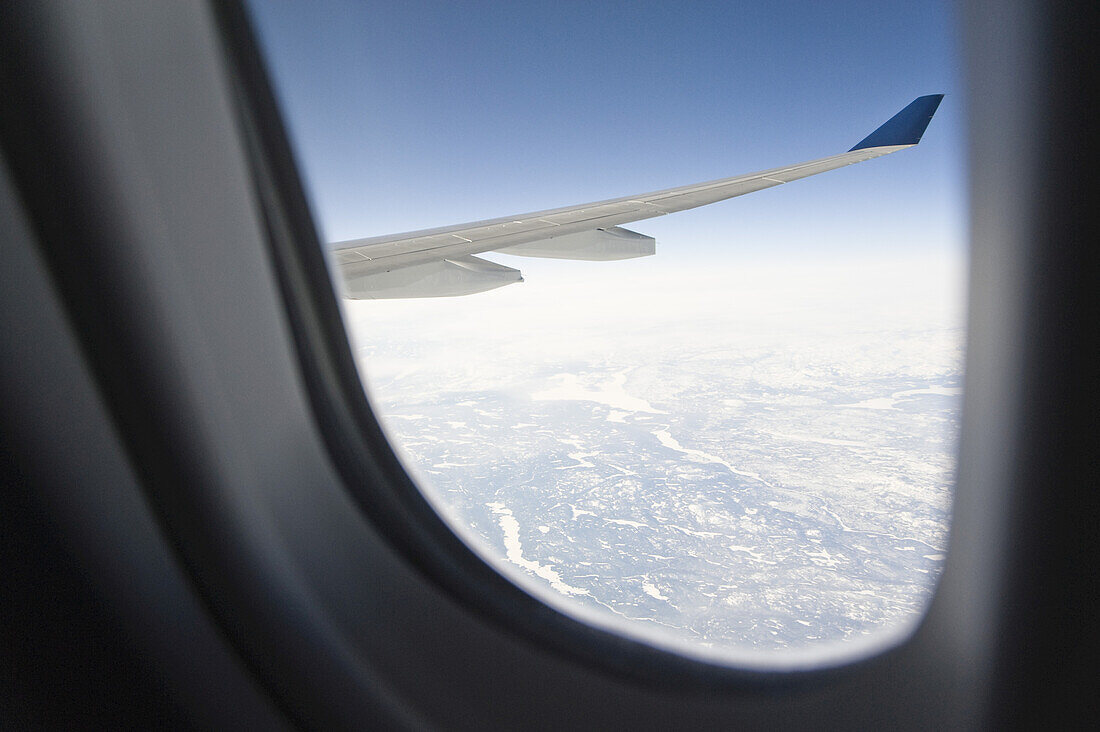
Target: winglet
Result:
[905, 127]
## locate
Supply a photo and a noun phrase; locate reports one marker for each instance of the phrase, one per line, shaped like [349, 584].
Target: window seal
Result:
[370, 469]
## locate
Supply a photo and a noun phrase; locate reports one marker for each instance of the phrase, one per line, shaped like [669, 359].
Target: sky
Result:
[418, 114]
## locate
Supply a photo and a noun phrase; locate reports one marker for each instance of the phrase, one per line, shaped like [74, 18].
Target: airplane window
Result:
[727, 430]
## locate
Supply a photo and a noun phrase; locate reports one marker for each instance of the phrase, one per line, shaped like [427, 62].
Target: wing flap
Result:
[594, 245]
[461, 275]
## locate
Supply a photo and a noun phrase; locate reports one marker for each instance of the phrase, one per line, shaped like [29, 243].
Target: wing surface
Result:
[441, 262]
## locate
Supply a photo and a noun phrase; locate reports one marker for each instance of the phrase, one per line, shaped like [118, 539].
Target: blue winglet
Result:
[905, 127]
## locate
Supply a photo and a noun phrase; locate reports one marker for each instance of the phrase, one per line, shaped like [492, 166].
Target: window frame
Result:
[1000, 643]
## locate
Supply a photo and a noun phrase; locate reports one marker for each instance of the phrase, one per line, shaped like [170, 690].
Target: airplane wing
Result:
[442, 262]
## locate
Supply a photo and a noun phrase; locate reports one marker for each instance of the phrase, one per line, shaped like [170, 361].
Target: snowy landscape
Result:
[744, 458]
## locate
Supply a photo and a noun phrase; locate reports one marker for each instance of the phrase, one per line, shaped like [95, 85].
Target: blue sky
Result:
[417, 114]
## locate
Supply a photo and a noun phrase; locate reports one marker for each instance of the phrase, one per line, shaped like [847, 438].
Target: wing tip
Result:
[906, 127]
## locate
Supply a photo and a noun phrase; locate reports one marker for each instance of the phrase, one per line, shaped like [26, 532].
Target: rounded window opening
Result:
[727, 431]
